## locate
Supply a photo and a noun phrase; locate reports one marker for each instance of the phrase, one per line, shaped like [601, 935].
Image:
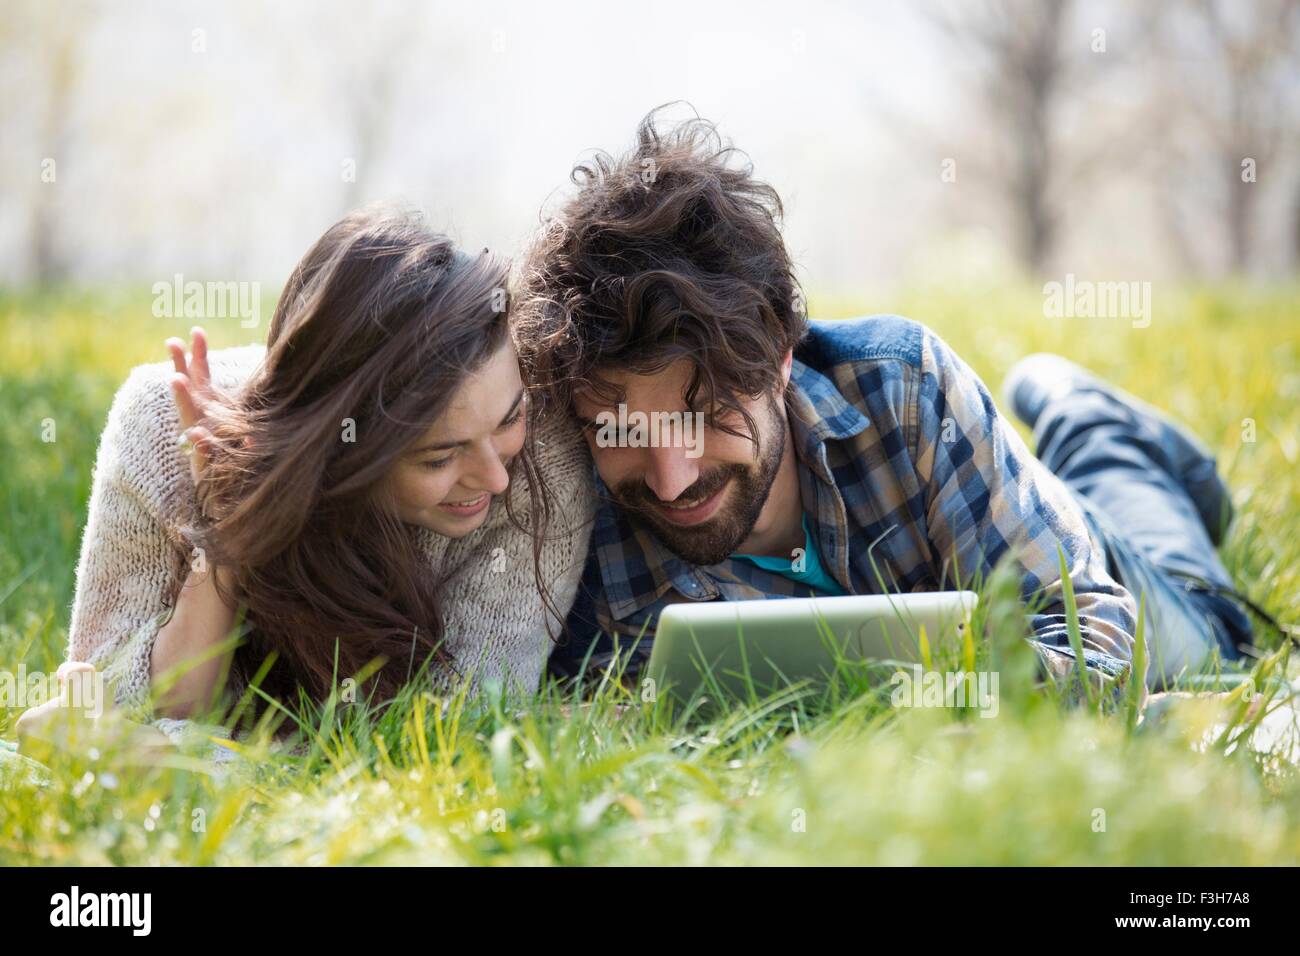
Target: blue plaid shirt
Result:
[905, 464]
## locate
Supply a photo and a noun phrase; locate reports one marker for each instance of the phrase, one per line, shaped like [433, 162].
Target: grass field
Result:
[789, 781]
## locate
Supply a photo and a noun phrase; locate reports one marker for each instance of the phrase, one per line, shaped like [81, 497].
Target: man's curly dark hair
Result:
[671, 251]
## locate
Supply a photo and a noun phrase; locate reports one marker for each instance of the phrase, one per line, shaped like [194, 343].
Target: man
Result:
[853, 456]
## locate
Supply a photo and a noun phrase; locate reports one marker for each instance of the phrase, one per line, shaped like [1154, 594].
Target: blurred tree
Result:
[1027, 71]
[360, 86]
[1231, 117]
[47, 41]
[1012, 50]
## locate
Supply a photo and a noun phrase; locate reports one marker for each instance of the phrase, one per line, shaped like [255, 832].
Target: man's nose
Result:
[669, 472]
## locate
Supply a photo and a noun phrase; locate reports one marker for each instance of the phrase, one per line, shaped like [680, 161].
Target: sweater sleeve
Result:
[495, 622]
[132, 558]
[129, 569]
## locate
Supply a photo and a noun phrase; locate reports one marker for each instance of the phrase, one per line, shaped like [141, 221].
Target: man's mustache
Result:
[638, 496]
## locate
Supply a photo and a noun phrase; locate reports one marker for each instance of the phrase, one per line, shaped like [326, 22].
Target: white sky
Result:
[226, 163]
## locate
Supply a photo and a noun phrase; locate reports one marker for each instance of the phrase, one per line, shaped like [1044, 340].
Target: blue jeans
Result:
[1122, 472]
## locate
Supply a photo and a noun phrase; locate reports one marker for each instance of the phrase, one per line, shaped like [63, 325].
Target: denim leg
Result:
[1116, 465]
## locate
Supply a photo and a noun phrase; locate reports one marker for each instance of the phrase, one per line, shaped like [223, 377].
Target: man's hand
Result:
[1107, 676]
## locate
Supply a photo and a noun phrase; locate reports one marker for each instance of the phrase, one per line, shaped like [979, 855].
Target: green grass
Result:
[840, 778]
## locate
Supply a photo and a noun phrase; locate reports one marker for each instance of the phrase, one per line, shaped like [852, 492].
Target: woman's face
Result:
[446, 481]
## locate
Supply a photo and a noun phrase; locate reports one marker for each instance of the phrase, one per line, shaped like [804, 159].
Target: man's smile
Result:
[692, 513]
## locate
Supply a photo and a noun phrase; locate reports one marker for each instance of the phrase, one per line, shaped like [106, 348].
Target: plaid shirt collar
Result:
[637, 569]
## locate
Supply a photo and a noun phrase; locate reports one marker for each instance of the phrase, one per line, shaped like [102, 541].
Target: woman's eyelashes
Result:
[508, 423]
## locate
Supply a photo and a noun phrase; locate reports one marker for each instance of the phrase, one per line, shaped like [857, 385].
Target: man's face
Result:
[700, 495]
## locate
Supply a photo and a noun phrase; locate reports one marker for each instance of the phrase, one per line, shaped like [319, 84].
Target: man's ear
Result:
[787, 364]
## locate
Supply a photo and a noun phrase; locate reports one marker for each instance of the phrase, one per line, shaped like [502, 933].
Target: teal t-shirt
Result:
[814, 573]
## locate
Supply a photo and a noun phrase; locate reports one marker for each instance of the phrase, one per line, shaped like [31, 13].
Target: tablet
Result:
[766, 645]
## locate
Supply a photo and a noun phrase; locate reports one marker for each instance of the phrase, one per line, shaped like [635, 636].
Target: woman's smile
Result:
[467, 506]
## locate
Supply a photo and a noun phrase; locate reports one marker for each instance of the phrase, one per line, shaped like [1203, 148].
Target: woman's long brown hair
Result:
[377, 326]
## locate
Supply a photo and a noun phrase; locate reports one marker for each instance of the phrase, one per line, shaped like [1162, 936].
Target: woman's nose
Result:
[490, 473]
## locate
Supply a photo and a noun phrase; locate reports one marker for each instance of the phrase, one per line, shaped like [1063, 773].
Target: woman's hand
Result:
[81, 715]
[40, 720]
[202, 616]
[193, 393]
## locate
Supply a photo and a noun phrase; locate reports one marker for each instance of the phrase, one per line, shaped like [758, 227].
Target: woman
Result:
[373, 485]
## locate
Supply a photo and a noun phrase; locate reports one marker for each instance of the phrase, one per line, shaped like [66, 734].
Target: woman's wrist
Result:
[201, 619]
[206, 598]
[224, 581]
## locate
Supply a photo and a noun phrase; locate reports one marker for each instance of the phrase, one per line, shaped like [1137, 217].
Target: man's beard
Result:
[713, 540]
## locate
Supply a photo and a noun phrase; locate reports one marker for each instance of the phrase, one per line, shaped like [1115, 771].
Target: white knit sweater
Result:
[132, 554]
